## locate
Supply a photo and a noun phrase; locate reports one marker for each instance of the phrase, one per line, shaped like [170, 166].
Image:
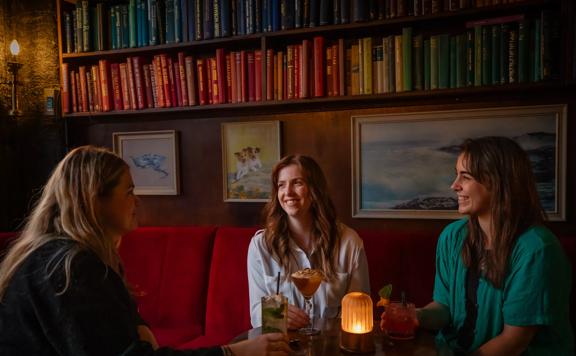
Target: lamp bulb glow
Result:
[14, 47]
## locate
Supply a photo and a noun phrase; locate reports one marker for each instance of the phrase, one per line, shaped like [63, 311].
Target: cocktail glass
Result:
[400, 321]
[307, 281]
[274, 314]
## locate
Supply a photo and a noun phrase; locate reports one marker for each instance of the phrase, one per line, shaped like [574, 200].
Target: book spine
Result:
[198, 22]
[367, 64]
[68, 32]
[124, 85]
[202, 85]
[407, 58]
[140, 95]
[83, 88]
[251, 76]
[131, 84]
[133, 32]
[74, 88]
[496, 54]
[95, 72]
[335, 71]
[172, 82]
[65, 88]
[486, 56]
[182, 75]
[190, 80]
[398, 63]
[159, 78]
[116, 88]
[477, 56]
[443, 61]
[427, 65]
[269, 74]
[221, 73]
[148, 86]
[177, 87]
[417, 64]
[434, 61]
[258, 75]
[86, 45]
[105, 84]
[318, 66]
[341, 67]
[153, 76]
[177, 21]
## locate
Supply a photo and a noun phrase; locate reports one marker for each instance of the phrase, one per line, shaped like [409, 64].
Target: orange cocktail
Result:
[307, 281]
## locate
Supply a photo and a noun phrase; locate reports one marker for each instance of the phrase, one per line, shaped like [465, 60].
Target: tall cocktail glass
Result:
[274, 314]
[307, 281]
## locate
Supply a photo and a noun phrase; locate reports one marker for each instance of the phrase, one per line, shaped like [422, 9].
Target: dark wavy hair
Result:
[325, 231]
[503, 167]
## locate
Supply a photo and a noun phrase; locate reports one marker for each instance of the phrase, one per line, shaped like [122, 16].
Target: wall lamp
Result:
[13, 67]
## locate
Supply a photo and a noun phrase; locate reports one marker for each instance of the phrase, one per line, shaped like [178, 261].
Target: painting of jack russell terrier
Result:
[249, 150]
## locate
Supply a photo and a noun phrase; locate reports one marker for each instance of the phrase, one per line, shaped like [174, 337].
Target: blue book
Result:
[298, 13]
[359, 11]
[249, 13]
[191, 20]
[324, 12]
[177, 21]
[152, 22]
[185, 19]
[198, 26]
[265, 16]
[258, 15]
[240, 18]
[208, 19]
[169, 21]
[275, 15]
[68, 31]
[139, 24]
[225, 18]
[314, 12]
[344, 11]
[124, 23]
[112, 25]
[336, 12]
[145, 24]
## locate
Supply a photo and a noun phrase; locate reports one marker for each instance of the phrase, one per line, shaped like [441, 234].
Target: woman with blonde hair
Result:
[502, 282]
[302, 231]
[62, 290]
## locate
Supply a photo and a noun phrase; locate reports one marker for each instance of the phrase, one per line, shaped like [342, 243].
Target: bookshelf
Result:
[454, 25]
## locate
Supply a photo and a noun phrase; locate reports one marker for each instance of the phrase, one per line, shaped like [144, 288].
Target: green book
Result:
[523, 44]
[537, 68]
[427, 64]
[470, 55]
[132, 23]
[496, 54]
[434, 61]
[504, 42]
[444, 61]
[477, 55]
[486, 56]
[513, 56]
[417, 62]
[79, 28]
[407, 58]
[461, 61]
[453, 61]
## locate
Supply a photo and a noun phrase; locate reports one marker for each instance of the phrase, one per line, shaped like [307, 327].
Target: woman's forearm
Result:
[433, 316]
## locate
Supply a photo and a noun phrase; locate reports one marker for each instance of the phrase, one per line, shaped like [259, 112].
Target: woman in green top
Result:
[502, 281]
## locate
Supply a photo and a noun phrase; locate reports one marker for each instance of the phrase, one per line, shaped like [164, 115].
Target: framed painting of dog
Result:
[153, 160]
[403, 164]
[249, 151]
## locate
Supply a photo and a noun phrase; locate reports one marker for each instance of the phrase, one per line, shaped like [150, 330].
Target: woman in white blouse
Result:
[302, 231]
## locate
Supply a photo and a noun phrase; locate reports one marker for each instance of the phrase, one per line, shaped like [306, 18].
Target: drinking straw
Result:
[278, 283]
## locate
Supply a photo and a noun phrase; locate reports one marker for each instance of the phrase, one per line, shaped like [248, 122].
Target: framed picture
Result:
[153, 160]
[403, 164]
[249, 152]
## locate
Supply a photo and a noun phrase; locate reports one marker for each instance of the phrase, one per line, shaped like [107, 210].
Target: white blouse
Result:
[352, 275]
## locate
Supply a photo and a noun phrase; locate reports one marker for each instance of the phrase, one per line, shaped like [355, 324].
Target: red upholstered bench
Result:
[168, 269]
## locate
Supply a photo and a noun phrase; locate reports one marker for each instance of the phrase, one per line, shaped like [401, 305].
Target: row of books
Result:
[497, 51]
[233, 77]
[140, 23]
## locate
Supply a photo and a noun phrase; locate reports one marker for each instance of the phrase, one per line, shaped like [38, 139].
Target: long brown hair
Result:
[325, 230]
[68, 210]
[503, 167]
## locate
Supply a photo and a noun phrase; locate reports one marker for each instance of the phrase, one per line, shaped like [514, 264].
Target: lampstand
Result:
[357, 323]
[13, 68]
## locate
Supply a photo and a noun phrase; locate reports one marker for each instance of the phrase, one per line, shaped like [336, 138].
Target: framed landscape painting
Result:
[153, 160]
[249, 151]
[403, 164]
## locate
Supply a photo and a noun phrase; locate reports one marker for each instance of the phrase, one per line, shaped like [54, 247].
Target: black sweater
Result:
[95, 316]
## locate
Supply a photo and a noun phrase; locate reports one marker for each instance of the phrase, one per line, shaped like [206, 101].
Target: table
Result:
[328, 342]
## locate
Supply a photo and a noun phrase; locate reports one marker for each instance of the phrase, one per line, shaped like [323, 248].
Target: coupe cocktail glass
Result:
[307, 281]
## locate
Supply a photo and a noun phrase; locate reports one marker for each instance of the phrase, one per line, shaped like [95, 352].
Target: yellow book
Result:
[367, 61]
[399, 70]
[355, 69]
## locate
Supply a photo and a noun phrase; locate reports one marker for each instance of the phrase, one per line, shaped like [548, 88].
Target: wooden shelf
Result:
[328, 103]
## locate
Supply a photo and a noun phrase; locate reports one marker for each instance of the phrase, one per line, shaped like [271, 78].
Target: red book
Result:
[154, 85]
[74, 90]
[229, 78]
[202, 91]
[97, 88]
[329, 89]
[239, 81]
[177, 86]
[221, 75]
[79, 92]
[172, 82]
[258, 74]
[105, 84]
[318, 66]
[341, 67]
[233, 78]
[243, 76]
[183, 82]
[335, 71]
[83, 89]
[116, 86]
[148, 86]
[165, 81]
[65, 88]
[304, 69]
[90, 90]
[124, 86]
[139, 81]
[251, 76]
[159, 79]
[209, 83]
[131, 84]
[269, 74]
[190, 80]
[297, 70]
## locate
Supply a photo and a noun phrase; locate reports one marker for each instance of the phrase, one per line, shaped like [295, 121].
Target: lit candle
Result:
[357, 323]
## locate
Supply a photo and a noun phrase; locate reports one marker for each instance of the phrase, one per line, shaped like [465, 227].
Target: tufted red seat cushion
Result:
[168, 269]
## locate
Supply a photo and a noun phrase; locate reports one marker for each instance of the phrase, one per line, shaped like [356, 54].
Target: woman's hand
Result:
[268, 344]
[146, 335]
[297, 318]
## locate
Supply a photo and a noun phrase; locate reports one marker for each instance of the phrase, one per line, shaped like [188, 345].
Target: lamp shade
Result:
[14, 48]
[357, 317]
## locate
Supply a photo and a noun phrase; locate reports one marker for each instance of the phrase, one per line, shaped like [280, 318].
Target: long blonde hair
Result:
[325, 229]
[68, 210]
